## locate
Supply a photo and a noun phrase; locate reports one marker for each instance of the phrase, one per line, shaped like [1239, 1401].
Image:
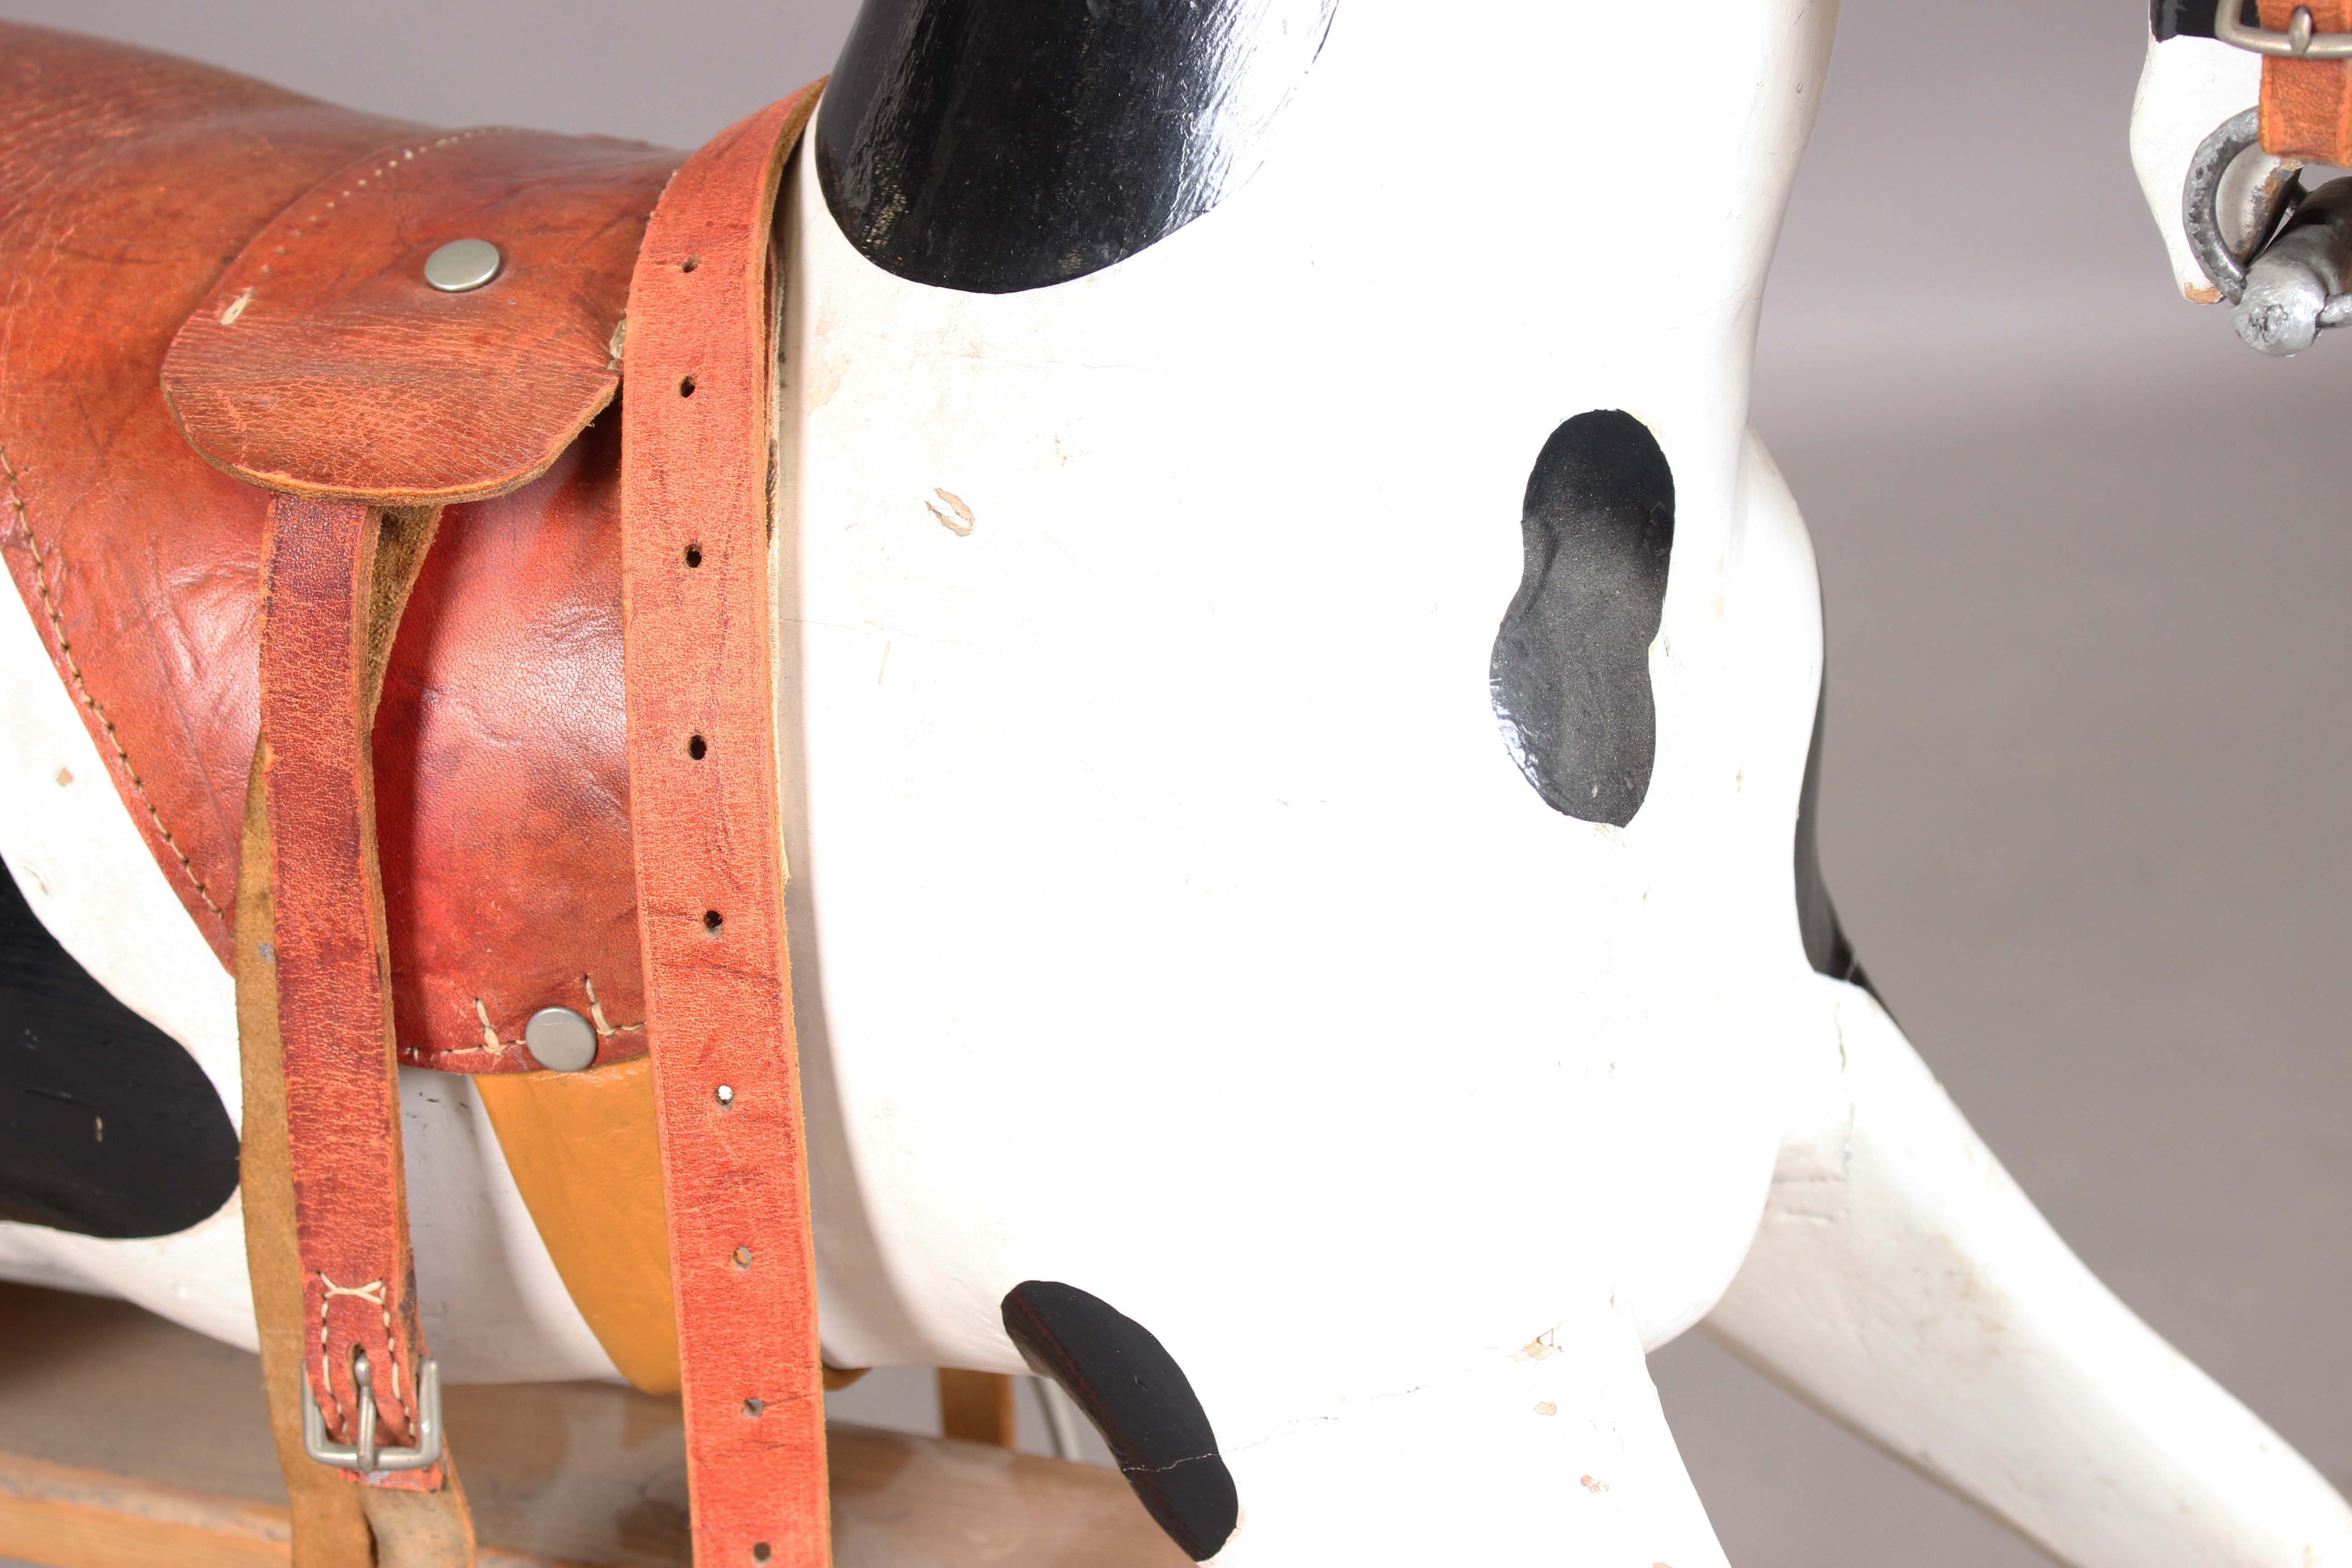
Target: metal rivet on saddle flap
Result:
[560, 1038]
[461, 265]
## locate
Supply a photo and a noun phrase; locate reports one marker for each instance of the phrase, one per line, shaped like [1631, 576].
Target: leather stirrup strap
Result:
[336, 1524]
[697, 439]
[329, 367]
[335, 576]
[2307, 104]
[330, 1521]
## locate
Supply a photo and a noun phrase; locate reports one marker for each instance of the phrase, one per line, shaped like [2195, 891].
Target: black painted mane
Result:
[997, 145]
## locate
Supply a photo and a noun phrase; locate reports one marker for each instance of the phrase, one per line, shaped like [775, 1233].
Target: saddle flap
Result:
[325, 363]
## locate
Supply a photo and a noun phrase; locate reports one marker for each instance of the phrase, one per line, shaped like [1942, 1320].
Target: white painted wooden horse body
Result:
[1173, 918]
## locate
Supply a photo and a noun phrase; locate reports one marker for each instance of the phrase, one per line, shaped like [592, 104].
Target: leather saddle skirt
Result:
[238, 407]
[129, 184]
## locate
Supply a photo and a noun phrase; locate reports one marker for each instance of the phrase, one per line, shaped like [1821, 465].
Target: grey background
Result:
[2085, 584]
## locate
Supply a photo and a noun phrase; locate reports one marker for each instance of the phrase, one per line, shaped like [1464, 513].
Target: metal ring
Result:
[2200, 215]
[2200, 202]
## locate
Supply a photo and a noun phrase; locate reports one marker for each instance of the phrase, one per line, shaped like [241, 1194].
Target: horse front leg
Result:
[1901, 1282]
[1552, 1452]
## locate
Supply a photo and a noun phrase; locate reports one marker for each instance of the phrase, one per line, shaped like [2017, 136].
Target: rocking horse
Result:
[591, 726]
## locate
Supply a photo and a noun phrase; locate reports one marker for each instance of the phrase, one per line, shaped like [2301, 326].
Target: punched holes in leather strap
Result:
[708, 852]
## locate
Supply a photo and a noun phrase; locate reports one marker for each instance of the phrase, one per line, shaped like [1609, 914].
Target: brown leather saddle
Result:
[437, 683]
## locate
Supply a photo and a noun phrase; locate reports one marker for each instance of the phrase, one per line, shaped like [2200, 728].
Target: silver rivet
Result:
[726, 1094]
[462, 264]
[560, 1038]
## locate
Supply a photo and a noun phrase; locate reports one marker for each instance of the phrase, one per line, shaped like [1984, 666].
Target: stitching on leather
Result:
[604, 1027]
[237, 306]
[82, 687]
[372, 1291]
[326, 1378]
[596, 1013]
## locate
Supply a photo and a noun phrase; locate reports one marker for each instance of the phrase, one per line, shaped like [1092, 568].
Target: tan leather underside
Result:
[582, 1150]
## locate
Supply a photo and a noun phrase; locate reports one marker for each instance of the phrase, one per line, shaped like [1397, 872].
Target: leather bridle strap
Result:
[2307, 103]
[335, 577]
[697, 439]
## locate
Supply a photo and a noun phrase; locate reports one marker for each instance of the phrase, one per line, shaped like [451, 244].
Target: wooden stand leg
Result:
[976, 1406]
[566, 1475]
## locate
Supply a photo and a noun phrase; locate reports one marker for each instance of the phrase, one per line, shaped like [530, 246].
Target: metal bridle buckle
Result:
[2298, 42]
[364, 1455]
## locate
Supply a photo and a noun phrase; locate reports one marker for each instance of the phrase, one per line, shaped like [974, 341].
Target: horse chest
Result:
[1163, 746]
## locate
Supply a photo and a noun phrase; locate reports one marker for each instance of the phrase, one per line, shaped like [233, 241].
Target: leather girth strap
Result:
[697, 434]
[2307, 104]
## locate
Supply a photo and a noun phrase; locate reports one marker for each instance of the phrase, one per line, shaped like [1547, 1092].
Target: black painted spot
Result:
[2191, 18]
[1570, 674]
[997, 145]
[1140, 1401]
[1826, 947]
[106, 1127]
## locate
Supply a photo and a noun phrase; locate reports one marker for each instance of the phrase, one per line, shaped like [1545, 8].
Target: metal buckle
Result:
[364, 1455]
[2298, 42]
